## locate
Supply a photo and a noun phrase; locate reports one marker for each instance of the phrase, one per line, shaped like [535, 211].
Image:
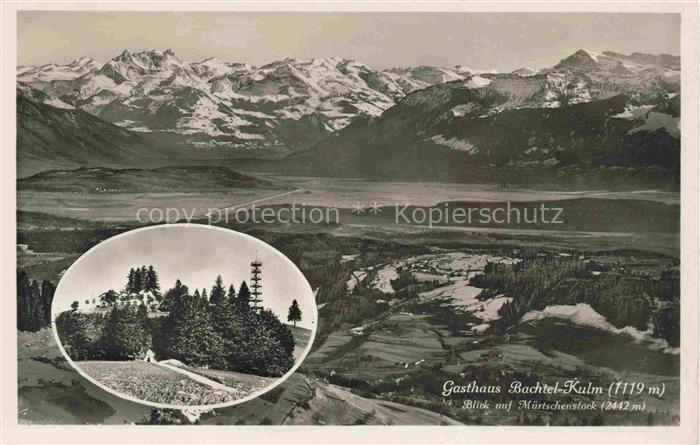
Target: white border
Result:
[227, 232]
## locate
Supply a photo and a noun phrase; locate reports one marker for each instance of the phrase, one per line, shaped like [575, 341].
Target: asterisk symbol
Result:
[375, 208]
[358, 208]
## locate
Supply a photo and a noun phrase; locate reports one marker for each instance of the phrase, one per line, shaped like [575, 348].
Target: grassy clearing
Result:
[153, 383]
[244, 383]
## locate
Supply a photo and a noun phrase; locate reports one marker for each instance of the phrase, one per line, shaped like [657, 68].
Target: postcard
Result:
[409, 222]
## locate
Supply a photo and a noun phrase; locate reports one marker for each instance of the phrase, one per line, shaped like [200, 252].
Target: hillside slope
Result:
[238, 110]
[230, 107]
[188, 179]
[50, 136]
[450, 132]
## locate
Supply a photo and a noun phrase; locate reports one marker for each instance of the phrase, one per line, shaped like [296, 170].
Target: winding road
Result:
[255, 201]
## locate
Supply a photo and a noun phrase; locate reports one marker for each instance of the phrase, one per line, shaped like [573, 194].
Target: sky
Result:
[194, 254]
[500, 41]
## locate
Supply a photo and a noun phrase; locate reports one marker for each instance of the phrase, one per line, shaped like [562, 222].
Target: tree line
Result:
[220, 331]
[33, 302]
[142, 279]
[624, 299]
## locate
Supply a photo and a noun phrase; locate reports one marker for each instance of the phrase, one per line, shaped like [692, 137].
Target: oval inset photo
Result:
[184, 316]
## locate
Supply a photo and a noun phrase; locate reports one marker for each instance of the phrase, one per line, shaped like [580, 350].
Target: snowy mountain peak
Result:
[461, 69]
[524, 72]
[152, 57]
[661, 60]
[55, 72]
[83, 61]
[612, 61]
[581, 58]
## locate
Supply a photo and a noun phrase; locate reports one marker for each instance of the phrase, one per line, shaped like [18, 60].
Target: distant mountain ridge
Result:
[280, 107]
[188, 179]
[52, 134]
[292, 104]
[591, 112]
[450, 133]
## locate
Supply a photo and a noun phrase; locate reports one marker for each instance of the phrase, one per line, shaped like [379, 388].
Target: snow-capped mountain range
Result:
[214, 103]
[292, 104]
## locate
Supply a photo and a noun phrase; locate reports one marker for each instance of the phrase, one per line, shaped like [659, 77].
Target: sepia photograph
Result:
[180, 345]
[356, 216]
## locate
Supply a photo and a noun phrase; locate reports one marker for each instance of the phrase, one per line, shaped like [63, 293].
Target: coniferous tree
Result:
[144, 278]
[125, 335]
[281, 333]
[228, 322]
[137, 281]
[47, 292]
[172, 295]
[72, 328]
[23, 301]
[226, 318]
[244, 296]
[231, 294]
[294, 314]
[270, 344]
[218, 292]
[131, 282]
[152, 283]
[188, 334]
[205, 298]
[36, 308]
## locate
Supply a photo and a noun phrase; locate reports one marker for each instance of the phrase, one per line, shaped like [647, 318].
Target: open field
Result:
[103, 194]
[446, 237]
[242, 383]
[45, 265]
[153, 383]
[52, 392]
[185, 179]
[641, 219]
[124, 206]
[345, 192]
[334, 405]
